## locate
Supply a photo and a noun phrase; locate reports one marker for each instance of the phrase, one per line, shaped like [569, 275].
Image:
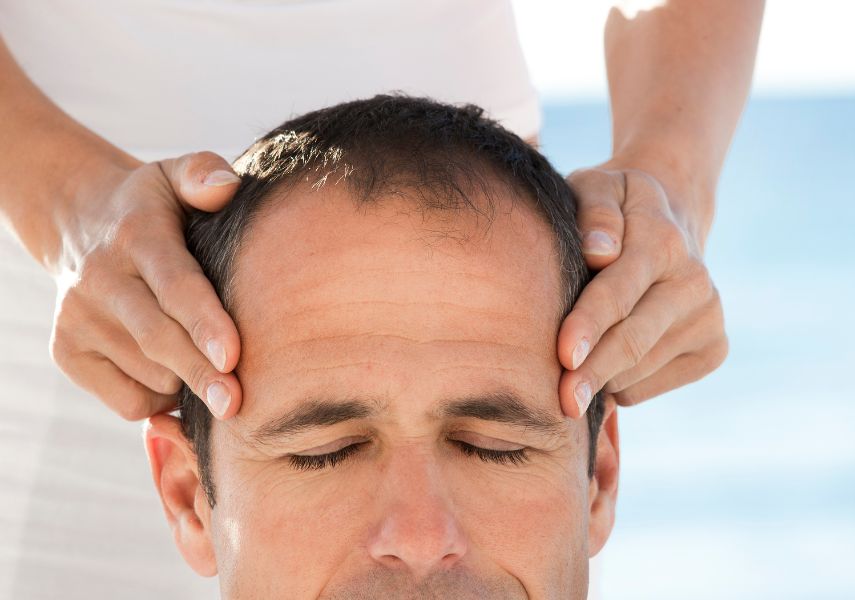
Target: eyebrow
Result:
[499, 406]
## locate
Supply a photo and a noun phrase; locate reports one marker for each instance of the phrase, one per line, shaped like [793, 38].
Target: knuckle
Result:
[718, 354]
[149, 171]
[591, 185]
[613, 386]
[204, 159]
[580, 178]
[151, 337]
[196, 378]
[128, 231]
[93, 277]
[167, 289]
[63, 344]
[605, 311]
[595, 378]
[632, 346]
[170, 384]
[617, 307]
[673, 242]
[715, 301]
[629, 397]
[699, 284]
[162, 380]
[174, 296]
[58, 348]
[598, 215]
[197, 330]
[134, 406]
[198, 164]
[713, 313]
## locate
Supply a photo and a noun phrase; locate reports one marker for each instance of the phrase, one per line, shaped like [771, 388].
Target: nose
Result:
[418, 530]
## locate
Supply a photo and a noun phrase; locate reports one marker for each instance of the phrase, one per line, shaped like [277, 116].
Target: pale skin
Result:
[395, 310]
[651, 321]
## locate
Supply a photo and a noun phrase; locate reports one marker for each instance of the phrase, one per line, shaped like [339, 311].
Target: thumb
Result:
[202, 180]
[600, 195]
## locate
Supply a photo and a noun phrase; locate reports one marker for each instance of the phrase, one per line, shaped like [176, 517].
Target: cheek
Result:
[533, 523]
[276, 532]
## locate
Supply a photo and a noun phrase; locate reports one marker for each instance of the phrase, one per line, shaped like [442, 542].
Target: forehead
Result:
[329, 295]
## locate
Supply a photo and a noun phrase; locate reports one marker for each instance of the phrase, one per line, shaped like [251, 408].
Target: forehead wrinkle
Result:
[315, 307]
[294, 263]
[414, 340]
[494, 295]
[351, 354]
[298, 220]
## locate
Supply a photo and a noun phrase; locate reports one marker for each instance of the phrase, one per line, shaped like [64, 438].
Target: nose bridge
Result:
[416, 528]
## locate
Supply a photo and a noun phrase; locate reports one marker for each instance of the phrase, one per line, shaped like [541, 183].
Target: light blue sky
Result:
[742, 485]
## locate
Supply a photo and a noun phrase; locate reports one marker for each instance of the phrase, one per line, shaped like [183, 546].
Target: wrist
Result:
[84, 190]
[47, 161]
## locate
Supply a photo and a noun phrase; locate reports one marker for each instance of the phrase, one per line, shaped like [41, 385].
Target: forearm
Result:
[679, 76]
[48, 161]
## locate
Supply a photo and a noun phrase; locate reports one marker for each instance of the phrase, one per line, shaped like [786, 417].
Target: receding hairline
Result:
[397, 138]
[484, 207]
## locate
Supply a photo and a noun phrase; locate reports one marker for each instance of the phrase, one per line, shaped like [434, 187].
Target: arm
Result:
[47, 159]
[134, 312]
[651, 319]
[679, 77]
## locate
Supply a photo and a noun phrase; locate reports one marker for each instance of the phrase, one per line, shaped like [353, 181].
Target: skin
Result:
[409, 310]
[135, 315]
[651, 321]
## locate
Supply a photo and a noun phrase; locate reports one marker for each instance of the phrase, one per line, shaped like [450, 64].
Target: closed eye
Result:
[303, 462]
[323, 461]
[513, 457]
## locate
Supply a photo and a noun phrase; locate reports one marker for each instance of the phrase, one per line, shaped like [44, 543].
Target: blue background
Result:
[742, 485]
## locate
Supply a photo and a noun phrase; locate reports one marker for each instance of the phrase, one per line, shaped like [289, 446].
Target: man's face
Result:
[400, 434]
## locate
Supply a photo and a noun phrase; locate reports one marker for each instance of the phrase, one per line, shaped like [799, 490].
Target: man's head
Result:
[397, 270]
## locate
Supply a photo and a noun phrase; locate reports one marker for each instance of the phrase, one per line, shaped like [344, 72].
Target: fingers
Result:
[599, 197]
[134, 230]
[606, 300]
[616, 324]
[621, 348]
[185, 294]
[123, 394]
[124, 352]
[701, 332]
[202, 180]
[680, 371]
[166, 342]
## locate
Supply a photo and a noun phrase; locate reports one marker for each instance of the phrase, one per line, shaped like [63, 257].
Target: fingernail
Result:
[217, 354]
[218, 398]
[583, 396]
[598, 243]
[581, 352]
[220, 177]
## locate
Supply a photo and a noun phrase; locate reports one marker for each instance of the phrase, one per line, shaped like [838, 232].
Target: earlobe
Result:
[176, 477]
[604, 485]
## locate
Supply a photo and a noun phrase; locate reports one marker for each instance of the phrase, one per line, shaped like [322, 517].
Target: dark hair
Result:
[437, 154]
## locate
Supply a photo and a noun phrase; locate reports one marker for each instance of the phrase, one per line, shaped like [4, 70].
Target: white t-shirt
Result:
[79, 517]
[162, 77]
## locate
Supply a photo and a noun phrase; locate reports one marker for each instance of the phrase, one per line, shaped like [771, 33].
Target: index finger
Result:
[606, 300]
[187, 295]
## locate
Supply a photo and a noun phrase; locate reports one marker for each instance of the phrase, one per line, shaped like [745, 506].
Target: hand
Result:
[135, 315]
[651, 319]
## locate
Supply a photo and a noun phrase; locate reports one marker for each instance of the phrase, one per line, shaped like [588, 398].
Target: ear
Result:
[602, 492]
[176, 477]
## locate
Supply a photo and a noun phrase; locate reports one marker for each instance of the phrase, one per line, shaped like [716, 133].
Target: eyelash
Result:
[323, 461]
